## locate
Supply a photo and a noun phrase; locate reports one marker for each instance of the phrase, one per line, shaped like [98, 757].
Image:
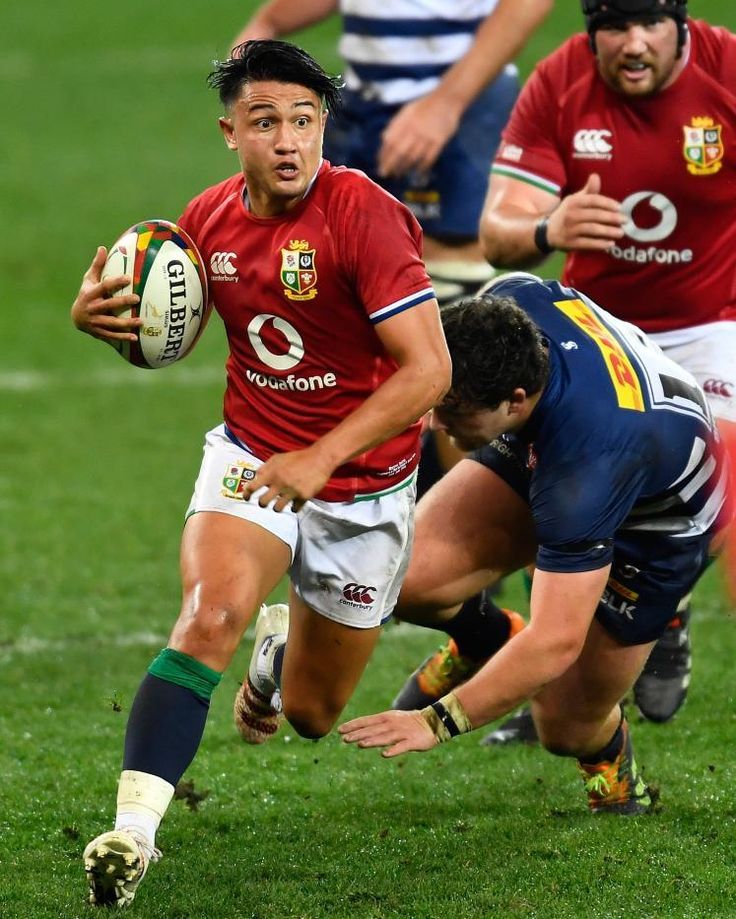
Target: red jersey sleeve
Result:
[530, 148]
[379, 243]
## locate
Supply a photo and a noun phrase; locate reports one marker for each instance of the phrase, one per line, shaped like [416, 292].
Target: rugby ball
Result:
[169, 277]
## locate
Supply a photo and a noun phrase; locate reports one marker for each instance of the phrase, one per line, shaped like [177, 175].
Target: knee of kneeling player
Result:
[558, 737]
[309, 719]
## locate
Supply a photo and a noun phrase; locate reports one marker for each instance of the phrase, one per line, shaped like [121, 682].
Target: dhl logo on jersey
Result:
[620, 369]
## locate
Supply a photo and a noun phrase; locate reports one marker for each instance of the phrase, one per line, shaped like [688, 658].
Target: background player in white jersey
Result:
[616, 142]
[313, 472]
[429, 85]
[567, 409]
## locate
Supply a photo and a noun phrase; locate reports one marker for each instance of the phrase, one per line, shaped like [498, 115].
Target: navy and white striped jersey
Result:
[398, 50]
[621, 444]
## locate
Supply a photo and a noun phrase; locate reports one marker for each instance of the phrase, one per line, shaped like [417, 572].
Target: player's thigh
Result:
[471, 528]
[323, 662]
[346, 575]
[229, 566]
[233, 553]
[570, 709]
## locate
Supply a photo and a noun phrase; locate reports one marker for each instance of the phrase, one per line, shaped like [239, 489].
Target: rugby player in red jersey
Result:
[336, 352]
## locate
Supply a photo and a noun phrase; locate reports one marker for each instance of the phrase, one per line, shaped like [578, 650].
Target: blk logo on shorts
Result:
[358, 594]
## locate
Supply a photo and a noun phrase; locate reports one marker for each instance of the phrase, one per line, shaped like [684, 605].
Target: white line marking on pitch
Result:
[33, 380]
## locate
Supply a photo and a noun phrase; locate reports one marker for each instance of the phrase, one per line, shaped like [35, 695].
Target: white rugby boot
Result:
[257, 707]
[115, 863]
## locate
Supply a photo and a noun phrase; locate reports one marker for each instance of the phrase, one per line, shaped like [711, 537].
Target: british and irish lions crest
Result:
[703, 146]
[298, 271]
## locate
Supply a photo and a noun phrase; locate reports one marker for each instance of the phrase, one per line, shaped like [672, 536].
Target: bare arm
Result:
[585, 220]
[562, 608]
[282, 17]
[416, 135]
[415, 340]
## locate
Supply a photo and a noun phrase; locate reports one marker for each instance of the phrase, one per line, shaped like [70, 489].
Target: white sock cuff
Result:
[464, 272]
[143, 793]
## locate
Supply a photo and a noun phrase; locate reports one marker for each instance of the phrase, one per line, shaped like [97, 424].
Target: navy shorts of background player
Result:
[620, 461]
[448, 200]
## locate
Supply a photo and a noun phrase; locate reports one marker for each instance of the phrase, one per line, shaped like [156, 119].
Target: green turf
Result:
[106, 120]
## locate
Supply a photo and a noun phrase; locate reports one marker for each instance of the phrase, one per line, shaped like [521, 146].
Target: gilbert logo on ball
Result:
[170, 279]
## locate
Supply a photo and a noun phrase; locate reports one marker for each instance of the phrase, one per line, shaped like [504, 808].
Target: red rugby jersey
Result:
[670, 159]
[300, 295]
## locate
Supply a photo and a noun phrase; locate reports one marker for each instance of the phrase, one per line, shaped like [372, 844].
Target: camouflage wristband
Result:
[447, 718]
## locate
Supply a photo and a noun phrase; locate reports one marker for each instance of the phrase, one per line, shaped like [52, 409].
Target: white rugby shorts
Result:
[708, 352]
[348, 558]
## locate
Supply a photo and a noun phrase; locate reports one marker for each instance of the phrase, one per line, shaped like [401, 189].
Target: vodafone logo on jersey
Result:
[665, 215]
[279, 346]
[650, 218]
[592, 144]
[221, 264]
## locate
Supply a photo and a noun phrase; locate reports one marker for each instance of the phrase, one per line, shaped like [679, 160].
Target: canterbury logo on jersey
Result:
[592, 144]
[222, 266]
[620, 369]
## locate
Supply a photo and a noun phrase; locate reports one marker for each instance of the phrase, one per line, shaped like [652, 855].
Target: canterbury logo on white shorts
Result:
[592, 143]
[221, 263]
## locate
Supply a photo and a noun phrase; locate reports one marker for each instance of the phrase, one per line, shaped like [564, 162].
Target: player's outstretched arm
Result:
[585, 220]
[563, 605]
[419, 131]
[282, 17]
[95, 313]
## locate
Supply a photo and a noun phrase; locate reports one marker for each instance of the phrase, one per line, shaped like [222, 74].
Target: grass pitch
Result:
[107, 121]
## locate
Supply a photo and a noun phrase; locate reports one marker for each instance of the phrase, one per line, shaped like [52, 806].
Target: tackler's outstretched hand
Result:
[399, 732]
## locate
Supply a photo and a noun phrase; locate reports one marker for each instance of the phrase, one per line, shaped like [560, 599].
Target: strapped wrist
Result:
[540, 236]
[447, 718]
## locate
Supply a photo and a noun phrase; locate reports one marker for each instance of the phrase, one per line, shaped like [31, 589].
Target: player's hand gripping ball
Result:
[170, 279]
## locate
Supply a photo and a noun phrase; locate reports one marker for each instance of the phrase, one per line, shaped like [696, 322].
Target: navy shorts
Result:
[448, 201]
[651, 573]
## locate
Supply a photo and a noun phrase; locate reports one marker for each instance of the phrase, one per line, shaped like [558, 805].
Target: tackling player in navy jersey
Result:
[596, 458]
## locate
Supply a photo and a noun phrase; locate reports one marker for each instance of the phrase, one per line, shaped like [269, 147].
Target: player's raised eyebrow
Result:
[257, 106]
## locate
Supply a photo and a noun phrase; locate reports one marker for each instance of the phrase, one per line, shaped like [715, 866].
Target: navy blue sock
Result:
[480, 627]
[164, 729]
[611, 750]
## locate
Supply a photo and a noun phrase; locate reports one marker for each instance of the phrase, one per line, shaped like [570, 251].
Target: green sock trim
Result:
[177, 667]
